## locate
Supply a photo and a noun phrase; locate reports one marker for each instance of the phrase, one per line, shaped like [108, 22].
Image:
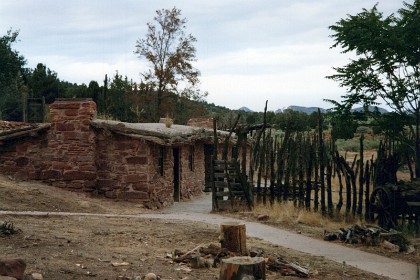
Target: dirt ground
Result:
[119, 248]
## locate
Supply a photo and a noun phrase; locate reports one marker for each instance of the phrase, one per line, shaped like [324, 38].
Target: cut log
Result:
[242, 268]
[233, 237]
[287, 268]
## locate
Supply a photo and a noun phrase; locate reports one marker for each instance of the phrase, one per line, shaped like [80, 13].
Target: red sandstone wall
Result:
[128, 168]
[23, 157]
[125, 168]
[201, 122]
[64, 155]
[73, 155]
[70, 157]
[192, 182]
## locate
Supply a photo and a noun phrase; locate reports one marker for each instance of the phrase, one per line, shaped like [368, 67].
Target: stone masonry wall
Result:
[74, 155]
[22, 157]
[192, 181]
[123, 165]
[201, 122]
[70, 158]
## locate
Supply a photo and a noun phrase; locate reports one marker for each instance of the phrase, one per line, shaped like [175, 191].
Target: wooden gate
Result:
[229, 189]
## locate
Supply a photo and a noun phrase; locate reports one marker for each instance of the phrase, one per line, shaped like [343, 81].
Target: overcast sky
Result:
[248, 51]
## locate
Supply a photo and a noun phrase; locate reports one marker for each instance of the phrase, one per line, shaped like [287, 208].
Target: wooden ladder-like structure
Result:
[230, 189]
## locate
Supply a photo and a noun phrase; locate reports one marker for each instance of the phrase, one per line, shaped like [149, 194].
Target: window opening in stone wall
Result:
[161, 160]
[191, 158]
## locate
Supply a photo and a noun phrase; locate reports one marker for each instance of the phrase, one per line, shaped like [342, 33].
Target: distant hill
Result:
[307, 110]
[371, 109]
[310, 110]
[278, 111]
[245, 109]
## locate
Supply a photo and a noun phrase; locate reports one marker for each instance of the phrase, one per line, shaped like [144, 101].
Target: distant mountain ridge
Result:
[371, 109]
[307, 110]
[310, 110]
[245, 109]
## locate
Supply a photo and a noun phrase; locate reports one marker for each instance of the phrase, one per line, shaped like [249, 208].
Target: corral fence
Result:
[306, 169]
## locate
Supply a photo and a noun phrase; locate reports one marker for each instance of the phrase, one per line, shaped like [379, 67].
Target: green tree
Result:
[387, 63]
[94, 91]
[12, 78]
[292, 120]
[44, 83]
[170, 52]
[118, 95]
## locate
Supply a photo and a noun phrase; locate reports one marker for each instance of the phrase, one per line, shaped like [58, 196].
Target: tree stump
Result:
[242, 268]
[233, 237]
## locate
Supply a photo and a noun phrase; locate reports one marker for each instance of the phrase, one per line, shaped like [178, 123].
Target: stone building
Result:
[150, 163]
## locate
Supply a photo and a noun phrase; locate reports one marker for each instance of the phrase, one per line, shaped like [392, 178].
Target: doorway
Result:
[208, 154]
[175, 152]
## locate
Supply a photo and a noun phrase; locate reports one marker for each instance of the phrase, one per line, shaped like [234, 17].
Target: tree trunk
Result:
[417, 144]
[361, 178]
[321, 164]
[233, 237]
[242, 268]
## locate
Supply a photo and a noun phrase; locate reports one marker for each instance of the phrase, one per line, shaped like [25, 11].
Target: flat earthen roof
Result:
[159, 133]
[11, 130]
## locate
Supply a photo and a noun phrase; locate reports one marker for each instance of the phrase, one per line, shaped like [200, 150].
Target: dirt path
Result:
[198, 210]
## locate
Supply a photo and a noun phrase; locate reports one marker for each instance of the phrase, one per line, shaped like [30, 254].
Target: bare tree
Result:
[170, 52]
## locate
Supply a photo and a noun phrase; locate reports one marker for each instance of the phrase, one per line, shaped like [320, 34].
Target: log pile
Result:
[212, 256]
[369, 235]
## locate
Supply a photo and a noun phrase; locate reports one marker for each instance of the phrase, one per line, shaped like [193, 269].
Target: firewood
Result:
[188, 255]
[287, 268]
[242, 268]
[233, 237]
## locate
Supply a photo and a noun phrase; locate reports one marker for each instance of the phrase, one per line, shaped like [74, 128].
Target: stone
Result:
[263, 217]
[7, 278]
[12, 267]
[22, 161]
[50, 174]
[134, 178]
[150, 276]
[137, 160]
[79, 175]
[37, 276]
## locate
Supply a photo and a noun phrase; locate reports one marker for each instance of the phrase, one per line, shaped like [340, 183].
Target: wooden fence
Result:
[306, 169]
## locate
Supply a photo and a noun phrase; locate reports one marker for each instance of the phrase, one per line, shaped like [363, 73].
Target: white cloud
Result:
[78, 71]
[248, 51]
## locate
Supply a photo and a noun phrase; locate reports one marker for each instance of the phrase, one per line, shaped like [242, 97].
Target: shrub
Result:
[363, 129]
[350, 145]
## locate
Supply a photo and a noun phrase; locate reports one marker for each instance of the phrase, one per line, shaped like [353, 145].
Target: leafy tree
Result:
[118, 94]
[343, 126]
[387, 63]
[44, 83]
[170, 52]
[12, 78]
[292, 120]
[94, 90]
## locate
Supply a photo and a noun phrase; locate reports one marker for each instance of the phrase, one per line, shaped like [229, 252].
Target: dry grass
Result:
[286, 213]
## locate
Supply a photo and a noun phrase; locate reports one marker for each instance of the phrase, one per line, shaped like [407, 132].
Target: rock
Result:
[37, 276]
[120, 264]
[7, 278]
[199, 262]
[12, 267]
[256, 252]
[330, 236]
[150, 276]
[392, 247]
[263, 217]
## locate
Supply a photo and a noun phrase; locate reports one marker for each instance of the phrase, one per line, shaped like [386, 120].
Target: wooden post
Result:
[242, 268]
[233, 237]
